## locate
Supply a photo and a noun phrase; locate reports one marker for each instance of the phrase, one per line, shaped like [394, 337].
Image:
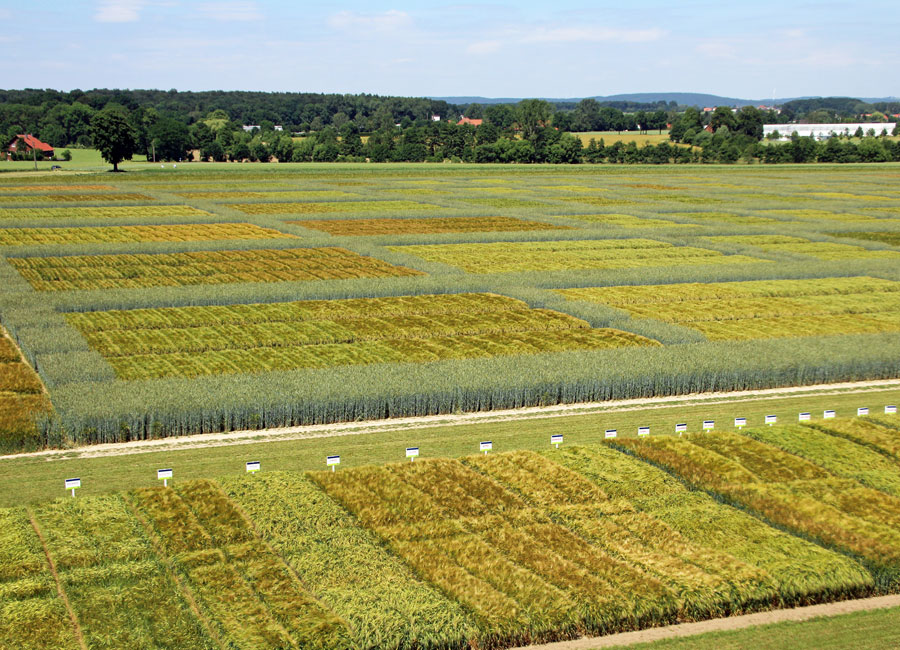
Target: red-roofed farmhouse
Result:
[468, 120]
[30, 143]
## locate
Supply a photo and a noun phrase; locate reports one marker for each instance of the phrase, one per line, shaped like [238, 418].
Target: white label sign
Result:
[556, 439]
[332, 460]
[486, 446]
[252, 466]
[804, 416]
[828, 414]
[771, 419]
[862, 410]
[643, 431]
[890, 409]
[73, 483]
[681, 428]
[163, 474]
[611, 433]
[740, 422]
[709, 425]
[412, 452]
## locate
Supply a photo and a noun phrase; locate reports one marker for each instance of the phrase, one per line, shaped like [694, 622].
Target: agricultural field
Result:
[217, 297]
[23, 398]
[489, 550]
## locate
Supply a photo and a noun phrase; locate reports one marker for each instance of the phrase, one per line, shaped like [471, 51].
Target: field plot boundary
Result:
[724, 624]
[430, 421]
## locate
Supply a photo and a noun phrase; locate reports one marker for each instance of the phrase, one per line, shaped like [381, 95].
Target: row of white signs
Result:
[556, 440]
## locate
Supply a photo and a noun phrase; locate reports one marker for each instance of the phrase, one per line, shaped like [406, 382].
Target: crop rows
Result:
[503, 257]
[105, 212]
[202, 267]
[761, 309]
[892, 238]
[252, 338]
[22, 398]
[119, 234]
[819, 250]
[821, 493]
[55, 188]
[362, 227]
[304, 195]
[626, 221]
[332, 206]
[73, 198]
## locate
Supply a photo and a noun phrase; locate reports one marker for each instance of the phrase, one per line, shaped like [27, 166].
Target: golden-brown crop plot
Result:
[116, 234]
[22, 397]
[305, 195]
[74, 198]
[799, 245]
[503, 257]
[761, 309]
[433, 225]
[332, 206]
[201, 267]
[56, 188]
[105, 212]
[192, 341]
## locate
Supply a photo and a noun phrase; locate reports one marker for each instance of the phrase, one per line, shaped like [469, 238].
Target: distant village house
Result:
[468, 120]
[29, 144]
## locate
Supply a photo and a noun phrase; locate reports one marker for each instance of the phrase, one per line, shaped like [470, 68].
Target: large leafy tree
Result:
[113, 135]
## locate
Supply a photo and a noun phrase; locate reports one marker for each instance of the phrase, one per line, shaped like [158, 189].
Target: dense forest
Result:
[299, 127]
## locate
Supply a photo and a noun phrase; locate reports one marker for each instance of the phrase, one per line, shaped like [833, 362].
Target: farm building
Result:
[468, 120]
[823, 131]
[31, 143]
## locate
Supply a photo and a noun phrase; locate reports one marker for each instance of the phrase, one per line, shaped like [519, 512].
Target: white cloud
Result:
[119, 11]
[388, 21]
[592, 35]
[230, 11]
[483, 47]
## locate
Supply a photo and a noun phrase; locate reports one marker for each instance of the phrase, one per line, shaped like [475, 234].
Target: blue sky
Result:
[562, 48]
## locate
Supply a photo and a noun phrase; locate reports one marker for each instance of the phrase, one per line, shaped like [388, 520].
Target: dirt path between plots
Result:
[723, 624]
[452, 419]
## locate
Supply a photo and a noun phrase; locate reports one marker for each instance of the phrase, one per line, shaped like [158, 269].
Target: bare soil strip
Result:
[454, 419]
[723, 624]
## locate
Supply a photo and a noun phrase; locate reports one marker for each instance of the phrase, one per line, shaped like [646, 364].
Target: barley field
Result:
[212, 298]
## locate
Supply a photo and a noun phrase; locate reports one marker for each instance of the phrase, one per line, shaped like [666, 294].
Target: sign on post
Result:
[411, 453]
[771, 419]
[164, 475]
[828, 414]
[73, 484]
[611, 433]
[709, 425]
[486, 446]
[892, 409]
[804, 417]
[740, 423]
[681, 428]
[331, 461]
[862, 410]
[252, 466]
[643, 431]
[556, 440]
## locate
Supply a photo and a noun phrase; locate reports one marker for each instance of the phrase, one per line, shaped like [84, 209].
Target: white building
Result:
[823, 131]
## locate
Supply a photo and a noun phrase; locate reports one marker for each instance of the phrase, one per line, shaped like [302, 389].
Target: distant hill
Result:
[682, 99]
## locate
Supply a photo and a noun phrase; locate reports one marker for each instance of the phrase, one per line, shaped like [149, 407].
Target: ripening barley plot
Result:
[789, 491]
[503, 257]
[799, 245]
[22, 398]
[105, 212]
[202, 267]
[403, 226]
[761, 309]
[625, 221]
[120, 234]
[196, 341]
[278, 195]
[73, 198]
[274, 207]
[56, 188]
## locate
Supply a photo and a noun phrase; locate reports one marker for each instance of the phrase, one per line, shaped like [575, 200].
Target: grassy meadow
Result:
[212, 297]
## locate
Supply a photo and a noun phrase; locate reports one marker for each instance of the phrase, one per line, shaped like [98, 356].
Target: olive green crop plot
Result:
[202, 267]
[724, 217]
[626, 221]
[761, 309]
[818, 250]
[504, 257]
[105, 212]
[198, 341]
[118, 234]
[332, 206]
[892, 238]
[363, 227]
